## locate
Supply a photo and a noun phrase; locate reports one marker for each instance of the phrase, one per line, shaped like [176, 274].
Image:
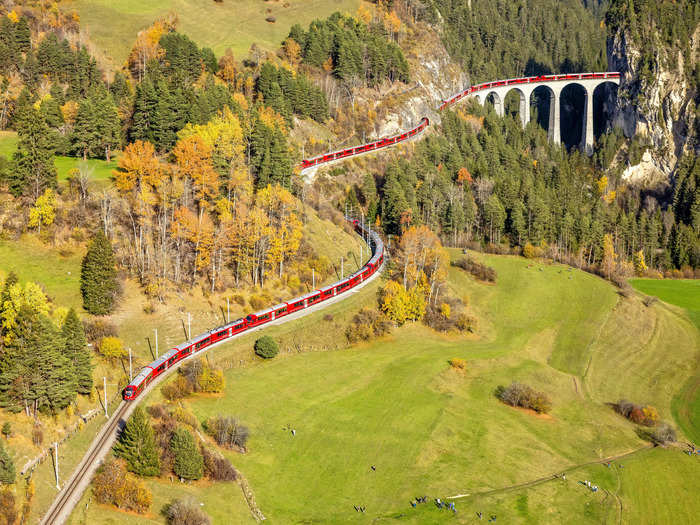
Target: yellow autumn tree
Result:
[29, 295]
[640, 266]
[198, 230]
[193, 162]
[281, 208]
[147, 46]
[609, 256]
[292, 51]
[227, 67]
[44, 210]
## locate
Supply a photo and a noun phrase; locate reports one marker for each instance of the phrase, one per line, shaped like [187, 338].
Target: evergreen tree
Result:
[137, 445]
[77, 352]
[85, 130]
[98, 276]
[7, 466]
[33, 161]
[189, 463]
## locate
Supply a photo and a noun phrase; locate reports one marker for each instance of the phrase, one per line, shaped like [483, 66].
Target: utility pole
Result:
[156, 331]
[131, 373]
[104, 382]
[55, 463]
[228, 311]
[342, 272]
[189, 326]
[313, 278]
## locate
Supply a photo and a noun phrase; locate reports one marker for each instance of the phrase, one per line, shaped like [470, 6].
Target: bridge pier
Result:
[554, 129]
[587, 131]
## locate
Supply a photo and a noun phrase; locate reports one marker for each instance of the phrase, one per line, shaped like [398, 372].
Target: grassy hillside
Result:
[231, 23]
[685, 294]
[396, 404]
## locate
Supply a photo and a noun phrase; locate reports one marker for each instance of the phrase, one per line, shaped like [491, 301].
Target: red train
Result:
[525, 80]
[188, 348]
[371, 146]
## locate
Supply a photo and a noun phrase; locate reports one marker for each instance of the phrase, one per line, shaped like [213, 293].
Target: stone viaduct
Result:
[555, 84]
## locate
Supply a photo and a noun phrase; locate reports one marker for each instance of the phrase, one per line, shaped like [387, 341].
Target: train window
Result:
[282, 310]
[238, 327]
[264, 317]
[313, 299]
[202, 343]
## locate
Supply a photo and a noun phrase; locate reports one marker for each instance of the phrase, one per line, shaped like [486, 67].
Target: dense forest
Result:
[484, 179]
[502, 38]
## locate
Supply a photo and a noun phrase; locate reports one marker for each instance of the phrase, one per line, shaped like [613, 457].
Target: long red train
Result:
[189, 348]
[193, 346]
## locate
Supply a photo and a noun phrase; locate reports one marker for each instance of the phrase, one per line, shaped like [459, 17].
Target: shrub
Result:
[113, 485]
[7, 430]
[112, 347]
[458, 363]
[157, 411]
[37, 435]
[258, 302]
[99, 329]
[238, 298]
[522, 395]
[659, 435]
[649, 300]
[478, 270]
[217, 467]
[266, 347]
[466, 323]
[8, 509]
[641, 415]
[182, 415]
[211, 380]
[176, 389]
[368, 323]
[227, 431]
[185, 512]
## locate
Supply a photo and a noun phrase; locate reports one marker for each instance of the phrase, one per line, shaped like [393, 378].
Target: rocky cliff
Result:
[657, 97]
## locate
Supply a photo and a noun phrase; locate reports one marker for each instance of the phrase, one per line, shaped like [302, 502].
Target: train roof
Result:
[305, 296]
[278, 306]
[141, 376]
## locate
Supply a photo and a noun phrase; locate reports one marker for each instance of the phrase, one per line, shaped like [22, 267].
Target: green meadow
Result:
[397, 405]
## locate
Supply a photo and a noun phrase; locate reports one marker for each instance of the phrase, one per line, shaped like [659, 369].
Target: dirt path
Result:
[538, 481]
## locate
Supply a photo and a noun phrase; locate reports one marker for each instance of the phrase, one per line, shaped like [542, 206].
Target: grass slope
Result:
[231, 23]
[684, 293]
[396, 404]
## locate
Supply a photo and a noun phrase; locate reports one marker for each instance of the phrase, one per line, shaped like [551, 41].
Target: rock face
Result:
[660, 106]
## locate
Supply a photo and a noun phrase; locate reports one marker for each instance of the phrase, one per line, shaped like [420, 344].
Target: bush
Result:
[466, 323]
[8, 509]
[37, 435]
[258, 302]
[99, 329]
[649, 300]
[368, 323]
[157, 411]
[478, 270]
[458, 363]
[217, 467]
[113, 485]
[266, 347]
[176, 389]
[521, 395]
[185, 512]
[638, 414]
[7, 430]
[660, 435]
[227, 431]
[238, 298]
[112, 347]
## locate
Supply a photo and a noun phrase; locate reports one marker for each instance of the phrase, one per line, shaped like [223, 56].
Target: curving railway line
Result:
[73, 489]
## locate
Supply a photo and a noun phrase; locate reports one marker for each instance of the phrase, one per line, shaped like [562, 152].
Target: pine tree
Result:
[7, 467]
[77, 352]
[34, 166]
[188, 459]
[137, 445]
[98, 276]
[85, 130]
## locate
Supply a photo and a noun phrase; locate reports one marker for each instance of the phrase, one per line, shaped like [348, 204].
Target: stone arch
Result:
[495, 99]
[478, 98]
[543, 99]
[604, 102]
[574, 121]
[521, 106]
